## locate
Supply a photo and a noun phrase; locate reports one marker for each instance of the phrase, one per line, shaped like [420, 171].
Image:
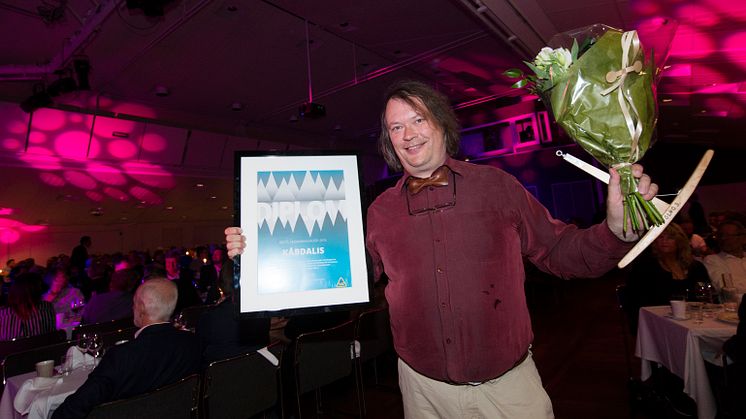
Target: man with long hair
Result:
[451, 236]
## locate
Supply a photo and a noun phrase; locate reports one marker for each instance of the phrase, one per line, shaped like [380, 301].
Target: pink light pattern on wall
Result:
[73, 145]
[60, 146]
[122, 149]
[106, 174]
[11, 144]
[10, 230]
[52, 179]
[735, 48]
[79, 179]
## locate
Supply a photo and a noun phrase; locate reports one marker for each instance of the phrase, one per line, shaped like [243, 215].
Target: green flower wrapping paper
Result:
[603, 95]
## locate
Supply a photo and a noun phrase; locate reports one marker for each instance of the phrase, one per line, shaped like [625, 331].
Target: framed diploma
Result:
[302, 218]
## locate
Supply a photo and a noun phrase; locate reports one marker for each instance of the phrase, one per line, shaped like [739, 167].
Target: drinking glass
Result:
[96, 348]
[695, 309]
[65, 365]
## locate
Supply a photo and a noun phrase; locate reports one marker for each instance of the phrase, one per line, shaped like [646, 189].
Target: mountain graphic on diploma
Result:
[310, 185]
[334, 229]
[319, 201]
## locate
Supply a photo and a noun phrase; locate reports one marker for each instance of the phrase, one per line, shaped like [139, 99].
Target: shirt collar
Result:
[145, 327]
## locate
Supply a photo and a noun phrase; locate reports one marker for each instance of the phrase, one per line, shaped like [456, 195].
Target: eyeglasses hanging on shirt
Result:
[442, 192]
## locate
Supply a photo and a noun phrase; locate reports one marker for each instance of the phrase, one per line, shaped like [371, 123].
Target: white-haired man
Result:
[159, 355]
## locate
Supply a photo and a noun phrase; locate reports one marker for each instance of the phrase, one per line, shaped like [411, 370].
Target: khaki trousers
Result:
[517, 394]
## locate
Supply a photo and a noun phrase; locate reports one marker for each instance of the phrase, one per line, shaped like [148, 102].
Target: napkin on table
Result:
[76, 359]
[29, 390]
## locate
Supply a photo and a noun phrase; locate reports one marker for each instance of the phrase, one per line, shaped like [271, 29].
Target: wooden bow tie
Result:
[438, 178]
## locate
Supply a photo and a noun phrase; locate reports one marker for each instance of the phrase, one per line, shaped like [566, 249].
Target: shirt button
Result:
[448, 341]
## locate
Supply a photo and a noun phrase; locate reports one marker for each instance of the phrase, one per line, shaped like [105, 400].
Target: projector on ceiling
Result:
[311, 110]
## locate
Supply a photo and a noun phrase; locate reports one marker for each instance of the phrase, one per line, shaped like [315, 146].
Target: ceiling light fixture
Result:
[162, 91]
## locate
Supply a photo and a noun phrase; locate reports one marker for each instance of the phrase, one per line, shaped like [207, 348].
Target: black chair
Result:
[179, 400]
[110, 339]
[373, 335]
[8, 347]
[103, 327]
[323, 357]
[242, 386]
[23, 362]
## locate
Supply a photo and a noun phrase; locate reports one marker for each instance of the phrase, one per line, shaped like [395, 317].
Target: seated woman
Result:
[61, 294]
[26, 315]
[667, 269]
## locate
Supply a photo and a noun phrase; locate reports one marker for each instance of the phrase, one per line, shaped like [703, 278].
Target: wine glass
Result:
[96, 348]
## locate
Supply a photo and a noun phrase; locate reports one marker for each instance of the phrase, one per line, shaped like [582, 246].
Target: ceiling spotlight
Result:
[162, 91]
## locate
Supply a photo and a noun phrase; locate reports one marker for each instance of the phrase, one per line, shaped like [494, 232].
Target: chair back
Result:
[373, 333]
[179, 400]
[23, 362]
[24, 344]
[323, 357]
[110, 339]
[241, 386]
[103, 327]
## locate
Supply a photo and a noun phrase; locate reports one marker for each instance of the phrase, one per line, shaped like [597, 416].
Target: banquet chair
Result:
[103, 327]
[323, 357]
[24, 344]
[373, 335]
[115, 337]
[242, 386]
[23, 362]
[179, 400]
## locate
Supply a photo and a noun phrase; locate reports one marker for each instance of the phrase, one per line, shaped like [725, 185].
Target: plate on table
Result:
[670, 316]
[728, 317]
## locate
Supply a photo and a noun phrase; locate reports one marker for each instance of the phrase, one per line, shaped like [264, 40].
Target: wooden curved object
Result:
[668, 211]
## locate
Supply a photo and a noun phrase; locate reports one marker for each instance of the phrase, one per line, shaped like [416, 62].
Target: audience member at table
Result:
[61, 294]
[697, 242]
[184, 280]
[731, 238]
[223, 333]
[116, 303]
[666, 269]
[209, 273]
[79, 260]
[159, 355]
[26, 314]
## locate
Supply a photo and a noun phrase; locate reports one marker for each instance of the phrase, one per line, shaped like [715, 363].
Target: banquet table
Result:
[679, 345]
[43, 403]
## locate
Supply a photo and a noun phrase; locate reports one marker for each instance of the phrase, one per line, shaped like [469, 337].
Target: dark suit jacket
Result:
[160, 355]
[112, 305]
[222, 334]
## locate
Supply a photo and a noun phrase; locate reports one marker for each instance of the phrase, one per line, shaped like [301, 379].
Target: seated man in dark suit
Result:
[222, 333]
[159, 355]
[116, 303]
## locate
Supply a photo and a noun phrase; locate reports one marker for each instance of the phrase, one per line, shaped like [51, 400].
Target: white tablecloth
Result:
[44, 402]
[678, 345]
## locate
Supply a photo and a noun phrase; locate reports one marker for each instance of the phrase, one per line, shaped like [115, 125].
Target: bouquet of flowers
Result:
[602, 92]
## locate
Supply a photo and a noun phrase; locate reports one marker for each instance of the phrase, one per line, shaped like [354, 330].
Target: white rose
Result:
[563, 57]
[544, 58]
